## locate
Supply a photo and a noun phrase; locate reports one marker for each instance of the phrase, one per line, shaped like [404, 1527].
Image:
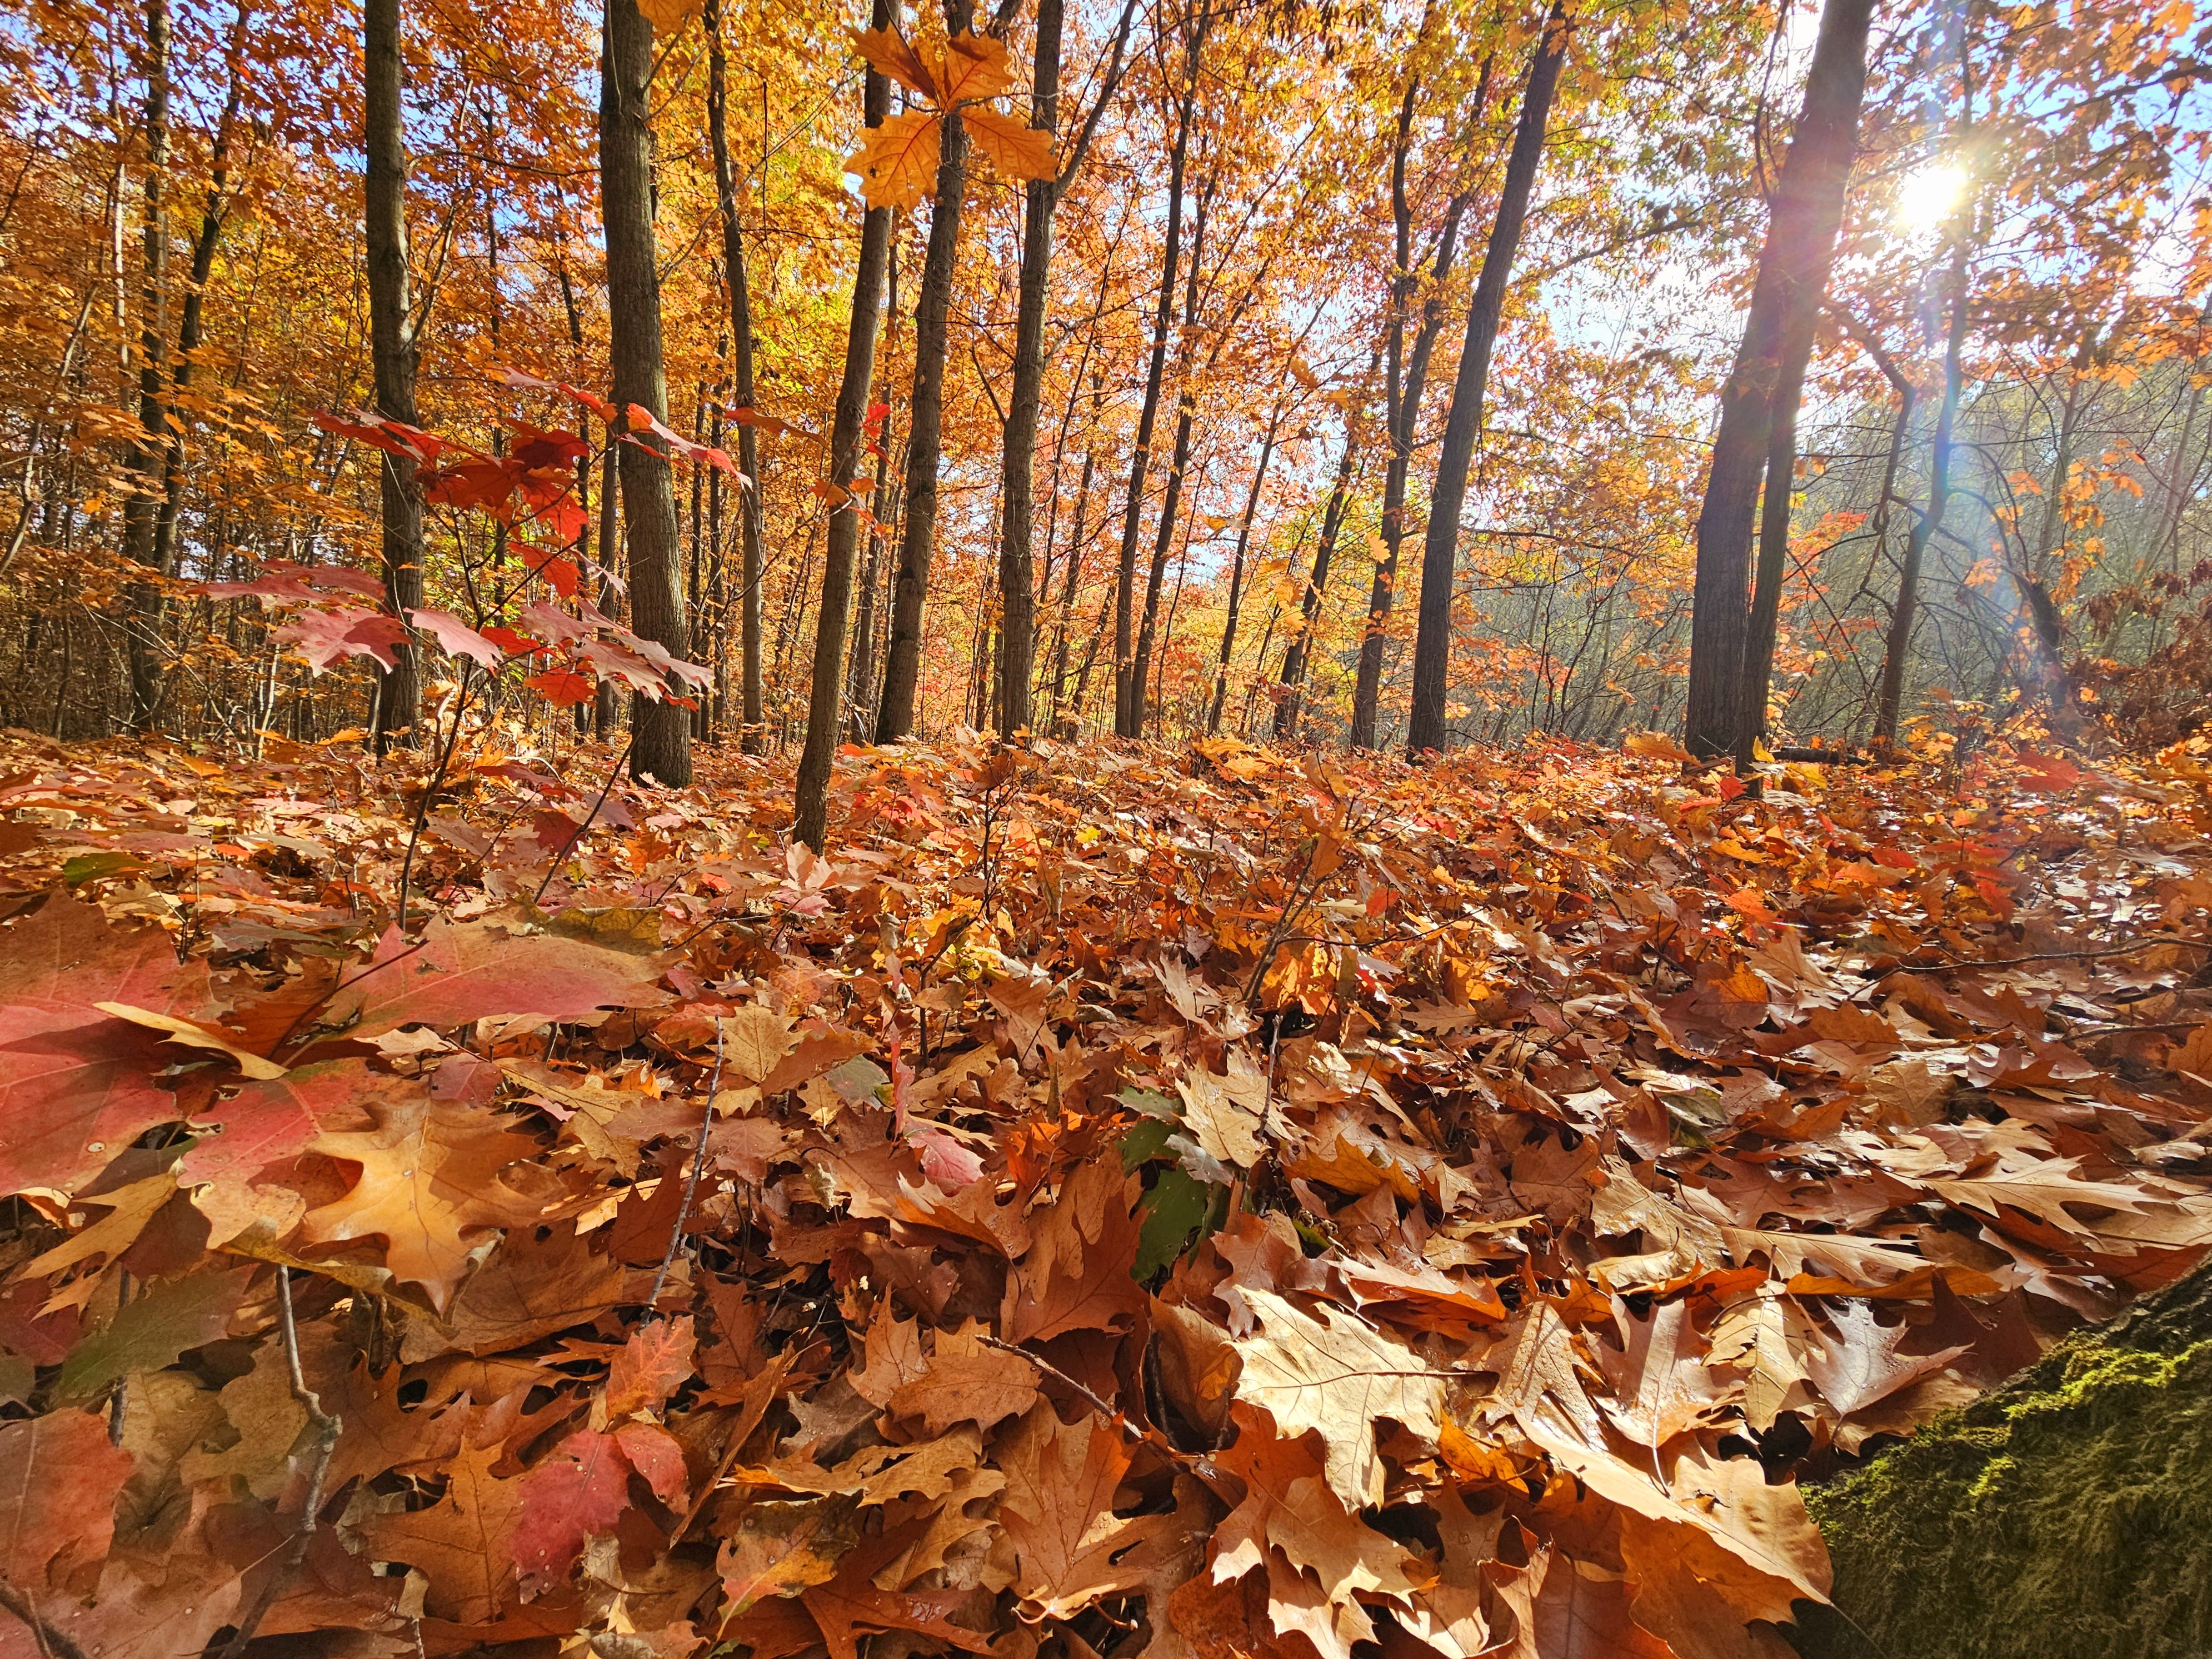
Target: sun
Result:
[1929, 195]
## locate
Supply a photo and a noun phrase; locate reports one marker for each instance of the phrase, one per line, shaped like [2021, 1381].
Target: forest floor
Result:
[1210, 1202]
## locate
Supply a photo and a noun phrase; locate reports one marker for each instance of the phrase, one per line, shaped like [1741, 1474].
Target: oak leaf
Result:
[1013, 149]
[463, 1543]
[1075, 1276]
[1288, 1505]
[1071, 1549]
[653, 1364]
[898, 161]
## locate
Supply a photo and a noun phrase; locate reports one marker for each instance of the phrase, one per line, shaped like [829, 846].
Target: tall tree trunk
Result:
[847, 426]
[741, 342]
[190, 324]
[1178, 465]
[1785, 302]
[1898, 644]
[1236, 570]
[1406, 382]
[1017, 576]
[1016, 566]
[604, 714]
[141, 506]
[1300, 652]
[391, 348]
[1128, 714]
[660, 732]
[926, 415]
[1426, 727]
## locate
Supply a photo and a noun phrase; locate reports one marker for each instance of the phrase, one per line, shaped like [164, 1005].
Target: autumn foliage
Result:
[1179, 1204]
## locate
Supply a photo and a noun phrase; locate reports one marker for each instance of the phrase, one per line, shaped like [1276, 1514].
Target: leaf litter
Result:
[1121, 1202]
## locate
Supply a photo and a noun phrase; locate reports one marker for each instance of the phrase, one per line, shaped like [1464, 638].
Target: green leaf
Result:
[1174, 1210]
[150, 1333]
[1148, 1139]
[91, 866]
[1146, 1103]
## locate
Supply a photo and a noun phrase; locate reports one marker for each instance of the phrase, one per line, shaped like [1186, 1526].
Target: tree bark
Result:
[741, 360]
[1898, 644]
[1179, 463]
[1236, 570]
[1426, 728]
[925, 418]
[391, 347]
[824, 714]
[1300, 652]
[1128, 712]
[1793, 273]
[141, 506]
[660, 732]
[1405, 383]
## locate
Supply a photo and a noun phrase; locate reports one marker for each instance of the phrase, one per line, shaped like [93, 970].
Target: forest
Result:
[1143, 830]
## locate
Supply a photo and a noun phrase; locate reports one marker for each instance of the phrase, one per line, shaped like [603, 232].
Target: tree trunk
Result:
[392, 352]
[604, 712]
[741, 358]
[141, 505]
[1300, 652]
[1426, 728]
[1793, 273]
[2067, 1512]
[1236, 570]
[926, 414]
[1899, 641]
[1127, 710]
[660, 732]
[1405, 383]
[1141, 668]
[823, 715]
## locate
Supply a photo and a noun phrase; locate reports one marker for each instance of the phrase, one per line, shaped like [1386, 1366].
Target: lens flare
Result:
[1929, 195]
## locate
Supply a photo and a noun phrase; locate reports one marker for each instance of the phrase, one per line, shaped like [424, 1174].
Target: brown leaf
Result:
[1069, 1547]
[1075, 1276]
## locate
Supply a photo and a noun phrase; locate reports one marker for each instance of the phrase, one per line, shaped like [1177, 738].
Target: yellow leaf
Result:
[898, 161]
[1014, 149]
[199, 1037]
[888, 53]
[667, 17]
[1656, 745]
[971, 67]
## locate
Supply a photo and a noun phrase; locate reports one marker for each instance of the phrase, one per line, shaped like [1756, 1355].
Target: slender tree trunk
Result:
[604, 714]
[1774, 511]
[918, 545]
[190, 326]
[1179, 464]
[1426, 729]
[1300, 652]
[1793, 272]
[1129, 714]
[141, 506]
[741, 358]
[1069, 579]
[1899, 643]
[1405, 383]
[847, 428]
[1016, 577]
[392, 353]
[1236, 571]
[661, 745]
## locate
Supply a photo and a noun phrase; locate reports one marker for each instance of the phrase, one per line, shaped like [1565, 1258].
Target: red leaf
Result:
[582, 1489]
[410, 443]
[324, 637]
[514, 644]
[59, 1480]
[562, 687]
[457, 638]
[653, 1453]
[538, 447]
[563, 575]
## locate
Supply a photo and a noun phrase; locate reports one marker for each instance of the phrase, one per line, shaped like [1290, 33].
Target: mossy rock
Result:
[2067, 1515]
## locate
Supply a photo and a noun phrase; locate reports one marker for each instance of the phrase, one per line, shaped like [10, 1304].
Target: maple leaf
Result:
[1328, 1372]
[463, 1543]
[456, 637]
[1013, 149]
[1289, 1506]
[898, 161]
[467, 971]
[326, 638]
[430, 1174]
[76, 1088]
[194, 1034]
[1075, 1276]
[581, 1489]
[59, 1481]
[653, 1364]
[1070, 1549]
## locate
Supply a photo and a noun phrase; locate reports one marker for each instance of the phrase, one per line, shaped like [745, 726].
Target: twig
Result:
[53, 1645]
[584, 829]
[1965, 965]
[698, 1166]
[327, 1425]
[429, 793]
[1150, 1436]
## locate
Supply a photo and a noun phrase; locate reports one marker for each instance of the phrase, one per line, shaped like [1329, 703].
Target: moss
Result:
[2066, 1515]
